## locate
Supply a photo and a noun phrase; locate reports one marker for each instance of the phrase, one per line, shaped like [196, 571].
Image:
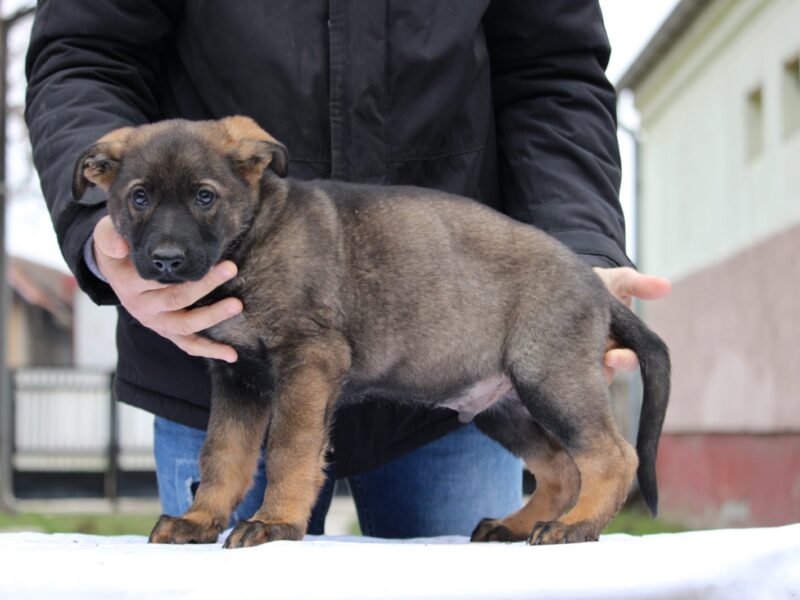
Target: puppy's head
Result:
[180, 192]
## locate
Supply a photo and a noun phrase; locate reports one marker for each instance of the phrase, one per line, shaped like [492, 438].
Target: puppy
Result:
[351, 291]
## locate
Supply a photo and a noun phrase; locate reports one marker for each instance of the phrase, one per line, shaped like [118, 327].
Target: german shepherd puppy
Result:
[351, 291]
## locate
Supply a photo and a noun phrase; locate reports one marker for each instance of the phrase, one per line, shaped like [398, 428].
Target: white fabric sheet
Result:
[725, 564]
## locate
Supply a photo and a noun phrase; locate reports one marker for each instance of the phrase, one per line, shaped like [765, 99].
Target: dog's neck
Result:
[272, 200]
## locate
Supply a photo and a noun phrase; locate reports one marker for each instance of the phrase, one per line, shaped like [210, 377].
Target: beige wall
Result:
[95, 334]
[703, 198]
[17, 350]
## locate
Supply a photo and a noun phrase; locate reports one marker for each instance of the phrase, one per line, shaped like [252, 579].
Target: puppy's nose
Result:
[168, 259]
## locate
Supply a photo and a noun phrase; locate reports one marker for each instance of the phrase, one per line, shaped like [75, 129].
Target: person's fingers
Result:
[626, 283]
[108, 241]
[618, 359]
[200, 346]
[125, 279]
[111, 255]
[178, 296]
[188, 322]
[160, 306]
[646, 287]
[621, 359]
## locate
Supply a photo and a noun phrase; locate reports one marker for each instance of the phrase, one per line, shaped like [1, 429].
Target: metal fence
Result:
[68, 420]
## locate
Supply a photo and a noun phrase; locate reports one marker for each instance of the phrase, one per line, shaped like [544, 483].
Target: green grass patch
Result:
[94, 524]
[636, 520]
[632, 520]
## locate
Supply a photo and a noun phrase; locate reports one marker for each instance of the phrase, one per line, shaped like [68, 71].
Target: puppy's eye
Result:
[139, 197]
[204, 197]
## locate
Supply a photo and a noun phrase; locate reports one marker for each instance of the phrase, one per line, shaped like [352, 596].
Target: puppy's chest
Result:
[270, 316]
[248, 328]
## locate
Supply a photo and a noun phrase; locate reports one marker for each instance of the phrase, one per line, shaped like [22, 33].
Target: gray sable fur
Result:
[410, 294]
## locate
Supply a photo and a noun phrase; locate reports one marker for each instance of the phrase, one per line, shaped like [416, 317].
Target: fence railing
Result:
[68, 420]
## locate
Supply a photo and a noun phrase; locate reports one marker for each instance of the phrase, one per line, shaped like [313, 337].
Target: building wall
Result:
[720, 216]
[704, 196]
[721, 219]
[35, 337]
[730, 480]
[733, 331]
[16, 338]
[95, 334]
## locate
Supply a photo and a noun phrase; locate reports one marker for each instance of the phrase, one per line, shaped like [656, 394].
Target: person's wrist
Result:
[91, 261]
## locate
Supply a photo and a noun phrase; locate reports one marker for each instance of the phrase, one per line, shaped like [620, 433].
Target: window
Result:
[791, 96]
[754, 117]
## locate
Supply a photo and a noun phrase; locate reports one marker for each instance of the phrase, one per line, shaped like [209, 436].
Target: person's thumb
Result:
[108, 241]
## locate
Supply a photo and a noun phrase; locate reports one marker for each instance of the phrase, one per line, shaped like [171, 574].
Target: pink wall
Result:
[734, 334]
[723, 480]
[730, 455]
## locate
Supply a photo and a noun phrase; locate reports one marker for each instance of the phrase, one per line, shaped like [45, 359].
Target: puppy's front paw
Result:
[173, 530]
[556, 532]
[254, 533]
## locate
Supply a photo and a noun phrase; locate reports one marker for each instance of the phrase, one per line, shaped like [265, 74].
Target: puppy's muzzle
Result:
[168, 259]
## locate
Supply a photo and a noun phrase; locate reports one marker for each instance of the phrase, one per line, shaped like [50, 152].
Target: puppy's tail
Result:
[630, 332]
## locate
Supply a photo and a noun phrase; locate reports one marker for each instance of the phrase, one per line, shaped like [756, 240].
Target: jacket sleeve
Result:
[91, 67]
[556, 123]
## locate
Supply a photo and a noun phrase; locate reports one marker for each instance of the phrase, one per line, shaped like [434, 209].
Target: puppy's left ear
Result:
[99, 164]
[252, 150]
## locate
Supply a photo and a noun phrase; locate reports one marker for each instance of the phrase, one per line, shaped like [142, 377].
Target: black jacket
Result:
[505, 102]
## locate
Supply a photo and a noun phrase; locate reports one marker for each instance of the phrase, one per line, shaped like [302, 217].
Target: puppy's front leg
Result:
[309, 378]
[239, 414]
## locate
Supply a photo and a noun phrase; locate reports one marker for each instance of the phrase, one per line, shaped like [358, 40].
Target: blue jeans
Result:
[443, 488]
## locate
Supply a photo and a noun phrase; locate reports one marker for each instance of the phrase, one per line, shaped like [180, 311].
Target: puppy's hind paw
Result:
[556, 532]
[493, 530]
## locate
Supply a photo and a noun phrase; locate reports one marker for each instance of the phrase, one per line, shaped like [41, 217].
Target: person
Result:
[505, 102]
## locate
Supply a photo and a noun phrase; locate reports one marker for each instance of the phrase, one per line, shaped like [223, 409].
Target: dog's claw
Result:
[174, 530]
[556, 532]
[254, 533]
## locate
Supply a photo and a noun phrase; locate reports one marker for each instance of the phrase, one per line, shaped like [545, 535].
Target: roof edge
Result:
[671, 31]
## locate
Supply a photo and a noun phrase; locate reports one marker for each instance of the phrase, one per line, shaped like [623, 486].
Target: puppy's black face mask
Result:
[179, 205]
[180, 193]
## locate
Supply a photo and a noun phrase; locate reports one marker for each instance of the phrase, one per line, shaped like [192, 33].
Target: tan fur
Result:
[240, 137]
[298, 437]
[558, 485]
[606, 476]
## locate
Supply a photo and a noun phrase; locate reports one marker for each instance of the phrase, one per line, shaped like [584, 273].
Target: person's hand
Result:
[163, 308]
[626, 283]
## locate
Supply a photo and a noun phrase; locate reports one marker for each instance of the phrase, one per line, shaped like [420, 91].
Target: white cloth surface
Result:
[725, 564]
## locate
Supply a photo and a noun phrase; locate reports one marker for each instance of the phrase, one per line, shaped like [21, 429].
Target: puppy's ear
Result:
[99, 164]
[252, 150]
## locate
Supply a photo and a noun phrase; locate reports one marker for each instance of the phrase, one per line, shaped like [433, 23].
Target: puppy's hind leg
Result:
[574, 407]
[557, 477]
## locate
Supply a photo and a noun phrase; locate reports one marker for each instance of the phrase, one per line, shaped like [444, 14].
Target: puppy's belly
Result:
[479, 397]
[468, 400]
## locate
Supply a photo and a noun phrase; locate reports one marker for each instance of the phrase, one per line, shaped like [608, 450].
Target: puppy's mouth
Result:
[171, 279]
